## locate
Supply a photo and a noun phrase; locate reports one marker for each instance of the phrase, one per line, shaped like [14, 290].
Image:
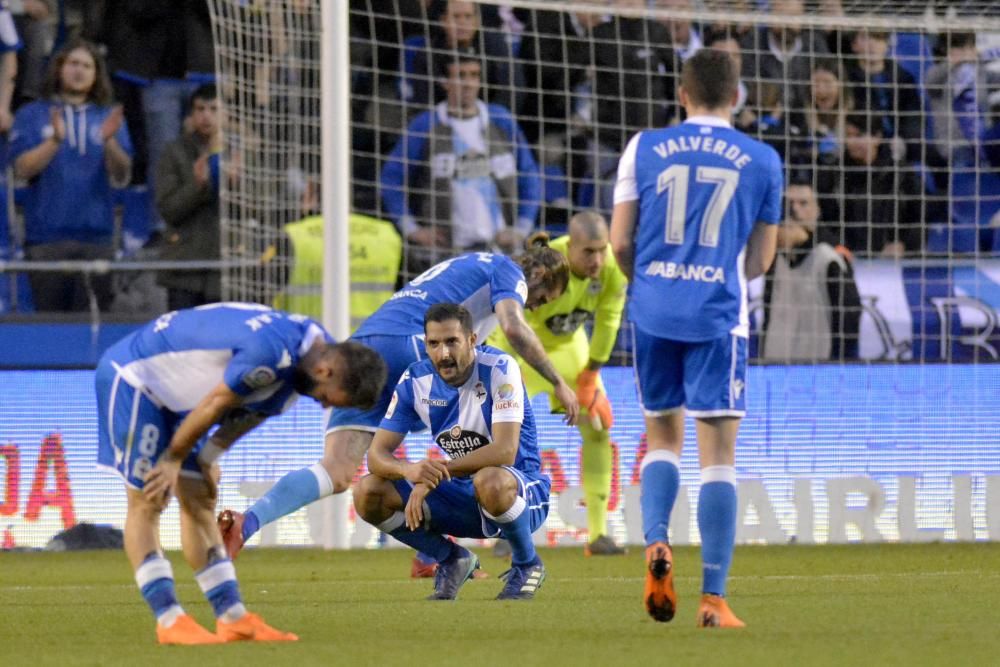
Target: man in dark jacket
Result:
[187, 196]
[883, 208]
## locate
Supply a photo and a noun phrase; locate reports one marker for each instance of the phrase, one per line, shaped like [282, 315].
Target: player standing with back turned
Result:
[695, 218]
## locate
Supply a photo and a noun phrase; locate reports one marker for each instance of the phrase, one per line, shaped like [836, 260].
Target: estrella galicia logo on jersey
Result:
[505, 391]
[457, 442]
[566, 323]
[260, 377]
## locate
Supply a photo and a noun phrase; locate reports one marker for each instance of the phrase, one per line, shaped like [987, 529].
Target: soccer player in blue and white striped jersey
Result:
[695, 218]
[473, 401]
[159, 392]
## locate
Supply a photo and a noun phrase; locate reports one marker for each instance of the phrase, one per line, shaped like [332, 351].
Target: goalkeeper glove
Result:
[593, 400]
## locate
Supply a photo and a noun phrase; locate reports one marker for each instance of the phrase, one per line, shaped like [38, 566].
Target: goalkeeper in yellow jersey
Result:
[596, 289]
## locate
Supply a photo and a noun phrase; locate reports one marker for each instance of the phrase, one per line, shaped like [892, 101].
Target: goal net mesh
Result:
[887, 117]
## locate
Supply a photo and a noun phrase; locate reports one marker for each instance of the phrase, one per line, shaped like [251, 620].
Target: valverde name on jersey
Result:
[713, 145]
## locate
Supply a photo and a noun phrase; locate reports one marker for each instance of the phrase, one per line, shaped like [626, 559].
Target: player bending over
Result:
[695, 218]
[161, 389]
[596, 290]
[472, 399]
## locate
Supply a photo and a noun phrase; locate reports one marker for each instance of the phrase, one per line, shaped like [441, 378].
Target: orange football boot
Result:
[659, 596]
[185, 630]
[714, 612]
[251, 628]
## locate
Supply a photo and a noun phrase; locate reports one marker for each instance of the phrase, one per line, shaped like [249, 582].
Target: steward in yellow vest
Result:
[376, 251]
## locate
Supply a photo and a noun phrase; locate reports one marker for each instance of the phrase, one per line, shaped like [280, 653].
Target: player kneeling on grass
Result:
[159, 392]
[472, 398]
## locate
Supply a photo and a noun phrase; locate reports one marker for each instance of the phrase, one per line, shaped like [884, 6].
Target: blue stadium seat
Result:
[411, 47]
[913, 53]
[15, 291]
[975, 200]
[137, 216]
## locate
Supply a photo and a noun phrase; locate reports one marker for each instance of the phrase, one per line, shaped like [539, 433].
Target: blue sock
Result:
[515, 527]
[218, 582]
[426, 559]
[431, 544]
[717, 523]
[155, 578]
[659, 483]
[294, 490]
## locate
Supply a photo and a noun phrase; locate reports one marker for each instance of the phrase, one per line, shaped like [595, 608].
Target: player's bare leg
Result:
[154, 574]
[660, 482]
[717, 517]
[214, 571]
[343, 451]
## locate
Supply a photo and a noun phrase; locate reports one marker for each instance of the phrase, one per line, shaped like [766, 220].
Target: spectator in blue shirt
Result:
[72, 147]
[462, 178]
[10, 44]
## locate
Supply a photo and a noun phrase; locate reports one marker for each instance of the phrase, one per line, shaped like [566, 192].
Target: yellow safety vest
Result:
[375, 249]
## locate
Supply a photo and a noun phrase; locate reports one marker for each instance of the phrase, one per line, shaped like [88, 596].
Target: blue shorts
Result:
[452, 508]
[708, 378]
[398, 352]
[132, 431]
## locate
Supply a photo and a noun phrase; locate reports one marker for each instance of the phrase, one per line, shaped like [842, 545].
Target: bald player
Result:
[596, 291]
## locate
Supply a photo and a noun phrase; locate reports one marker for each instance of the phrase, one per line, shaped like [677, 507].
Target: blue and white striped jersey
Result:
[179, 357]
[701, 187]
[477, 281]
[461, 418]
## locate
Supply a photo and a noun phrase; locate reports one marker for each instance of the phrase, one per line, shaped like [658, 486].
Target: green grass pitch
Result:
[931, 604]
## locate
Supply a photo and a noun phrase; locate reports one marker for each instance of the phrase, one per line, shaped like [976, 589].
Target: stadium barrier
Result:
[827, 454]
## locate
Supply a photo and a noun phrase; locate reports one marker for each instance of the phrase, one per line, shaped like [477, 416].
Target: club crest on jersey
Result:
[594, 288]
[522, 290]
[480, 392]
[260, 377]
[457, 442]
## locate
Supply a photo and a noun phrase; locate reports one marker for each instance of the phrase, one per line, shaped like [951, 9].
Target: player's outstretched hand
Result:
[161, 481]
[429, 472]
[414, 511]
[567, 397]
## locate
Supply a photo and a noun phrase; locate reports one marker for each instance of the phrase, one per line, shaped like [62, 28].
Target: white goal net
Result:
[875, 333]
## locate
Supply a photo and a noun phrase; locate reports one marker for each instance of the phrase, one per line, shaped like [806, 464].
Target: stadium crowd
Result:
[474, 125]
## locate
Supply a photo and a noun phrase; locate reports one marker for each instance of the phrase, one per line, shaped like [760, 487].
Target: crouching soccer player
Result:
[161, 389]
[473, 401]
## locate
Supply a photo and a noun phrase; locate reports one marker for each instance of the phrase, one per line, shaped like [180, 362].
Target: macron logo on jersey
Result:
[702, 273]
